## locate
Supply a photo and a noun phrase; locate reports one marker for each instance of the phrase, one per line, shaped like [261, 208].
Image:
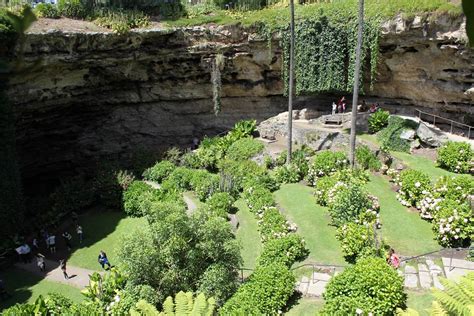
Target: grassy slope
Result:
[420, 301]
[102, 231]
[306, 307]
[299, 206]
[338, 10]
[25, 287]
[403, 229]
[248, 235]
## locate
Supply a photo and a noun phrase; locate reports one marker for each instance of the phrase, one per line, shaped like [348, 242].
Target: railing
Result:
[451, 122]
[318, 266]
[452, 251]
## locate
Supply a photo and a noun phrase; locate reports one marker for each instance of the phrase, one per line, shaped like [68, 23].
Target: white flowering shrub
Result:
[348, 204]
[414, 186]
[272, 224]
[456, 157]
[326, 163]
[453, 223]
[356, 240]
[288, 173]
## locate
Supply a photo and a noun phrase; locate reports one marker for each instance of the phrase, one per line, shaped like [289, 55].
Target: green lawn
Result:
[306, 307]
[102, 231]
[299, 205]
[25, 287]
[248, 235]
[420, 301]
[422, 164]
[402, 228]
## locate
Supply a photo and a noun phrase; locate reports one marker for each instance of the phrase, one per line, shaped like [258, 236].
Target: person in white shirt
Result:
[79, 233]
[40, 262]
[334, 107]
[52, 243]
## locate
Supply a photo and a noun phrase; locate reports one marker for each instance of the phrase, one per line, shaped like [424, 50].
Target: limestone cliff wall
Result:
[100, 94]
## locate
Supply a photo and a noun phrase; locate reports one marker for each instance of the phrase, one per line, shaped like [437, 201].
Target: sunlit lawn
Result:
[25, 287]
[402, 228]
[248, 235]
[306, 307]
[102, 231]
[299, 206]
[420, 301]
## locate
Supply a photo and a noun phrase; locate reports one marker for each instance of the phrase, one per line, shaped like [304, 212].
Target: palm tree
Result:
[356, 84]
[291, 79]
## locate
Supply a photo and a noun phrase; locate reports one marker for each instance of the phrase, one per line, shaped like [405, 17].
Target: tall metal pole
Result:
[355, 94]
[291, 83]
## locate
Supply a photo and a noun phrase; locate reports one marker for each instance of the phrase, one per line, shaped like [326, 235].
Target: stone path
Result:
[315, 285]
[456, 268]
[79, 277]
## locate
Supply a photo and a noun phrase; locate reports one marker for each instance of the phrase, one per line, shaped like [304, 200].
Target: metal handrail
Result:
[437, 251]
[446, 119]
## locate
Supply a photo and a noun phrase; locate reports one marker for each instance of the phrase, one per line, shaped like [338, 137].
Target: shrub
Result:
[287, 173]
[326, 163]
[272, 224]
[349, 203]
[244, 149]
[390, 136]
[218, 283]
[211, 151]
[367, 159]
[453, 223]
[221, 202]
[73, 194]
[159, 171]
[357, 241]
[240, 171]
[121, 21]
[204, 184]
[262, 180]
[72, 9]
[257, 198]
[323, 186]
[286, 250]
[265, 293]
[243, 129]
[414, 185]
[371, 286]
[133, 196]
[109, 184]
[456, 157]
[173, 155]
[377, 121]
[47, 10]
[191, 160]
[179, 179]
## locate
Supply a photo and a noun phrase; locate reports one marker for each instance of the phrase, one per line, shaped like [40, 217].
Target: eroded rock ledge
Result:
[100, 94]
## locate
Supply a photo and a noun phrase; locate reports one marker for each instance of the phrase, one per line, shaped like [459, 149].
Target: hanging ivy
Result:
[217, 65]
[325, 54]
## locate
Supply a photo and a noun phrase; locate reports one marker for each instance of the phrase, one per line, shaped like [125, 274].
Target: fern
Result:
[168, 306]
[457, 298]
[211, 305]
[437, 310]
[407, 312]
[181, 304]
[189, 296]
[143, 308]
[200, 305]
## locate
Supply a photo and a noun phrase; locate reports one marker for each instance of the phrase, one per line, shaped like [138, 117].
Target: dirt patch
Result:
[430, 153]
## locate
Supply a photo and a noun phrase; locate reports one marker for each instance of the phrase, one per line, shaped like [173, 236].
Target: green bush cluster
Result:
[348, 204]
[47, 10]
[357, 241]
[326, 163]
[453, 224]
[72, 9]
[389, 137]
[456, 157]
[244, 149]
[377, 121]
[367, 159]
[73, 194]
[122, 21]
[370, 286]
[159, 171]
[288, 173]
[221, 203]
[286, 250]
[414, 185]
[109, 184]
[135, 194]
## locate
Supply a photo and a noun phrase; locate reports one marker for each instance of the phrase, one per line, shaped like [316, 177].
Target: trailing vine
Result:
[325, 54]
[217, 65]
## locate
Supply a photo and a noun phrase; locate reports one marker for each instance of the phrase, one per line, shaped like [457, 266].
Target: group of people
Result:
[340, 107]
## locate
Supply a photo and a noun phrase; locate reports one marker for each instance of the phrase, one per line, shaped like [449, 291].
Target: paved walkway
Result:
[79, 277]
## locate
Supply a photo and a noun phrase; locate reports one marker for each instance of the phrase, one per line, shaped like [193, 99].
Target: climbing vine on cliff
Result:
[325, 54]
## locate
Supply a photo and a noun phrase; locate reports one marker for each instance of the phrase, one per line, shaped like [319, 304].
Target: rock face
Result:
[99, 95]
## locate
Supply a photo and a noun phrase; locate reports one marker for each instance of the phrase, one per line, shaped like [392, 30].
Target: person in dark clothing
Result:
[67, 238]
[103, 260]
[62, 265]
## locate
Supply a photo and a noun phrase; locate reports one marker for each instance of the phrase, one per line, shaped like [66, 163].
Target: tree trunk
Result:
[291, 79]
[355, 95]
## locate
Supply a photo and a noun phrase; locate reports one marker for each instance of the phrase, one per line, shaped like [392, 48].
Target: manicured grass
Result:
[422, 164]
[313, 222]
[306, 307]
[403, 229]
[248, 235]
[421, 302]
[25, 287]
[102, 231]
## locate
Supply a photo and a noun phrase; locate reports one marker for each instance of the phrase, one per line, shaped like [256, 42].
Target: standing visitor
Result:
[334, 108]
[40, 262]
[35, 244]
[62, 265]
[67, 238]
[51, 242]
[103, 260]
[79, 233]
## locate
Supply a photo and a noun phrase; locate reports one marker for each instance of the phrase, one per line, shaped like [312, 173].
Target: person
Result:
[67, 238]
[51, 241]
[341, 105]
[393, 259]
[40, 262]
[35, 244]
[103, 260]
[334, 108]
[195, 143]
[79, 233]
[62, 265]
[25, 253]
